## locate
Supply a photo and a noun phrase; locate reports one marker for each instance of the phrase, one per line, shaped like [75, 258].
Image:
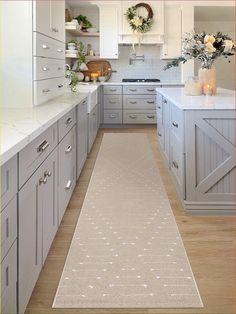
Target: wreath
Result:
[139, 23]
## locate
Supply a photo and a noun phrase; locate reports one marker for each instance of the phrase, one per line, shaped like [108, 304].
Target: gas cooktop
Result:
[141, 80]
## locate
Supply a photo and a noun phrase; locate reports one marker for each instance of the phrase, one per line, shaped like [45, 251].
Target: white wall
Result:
[225, 71]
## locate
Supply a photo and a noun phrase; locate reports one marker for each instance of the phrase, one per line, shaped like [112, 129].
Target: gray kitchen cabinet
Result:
[66, 123]
[67, 170]
[139, 117]
[93, 126]
[113, 116]
[37, 225]
[8, 181]
[112, 104]
[139, 90]
[82, 135]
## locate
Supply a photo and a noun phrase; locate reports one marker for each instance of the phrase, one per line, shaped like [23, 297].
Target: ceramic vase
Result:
[207, 77]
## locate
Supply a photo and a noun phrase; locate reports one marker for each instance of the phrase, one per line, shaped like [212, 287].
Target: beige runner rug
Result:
[126, 251]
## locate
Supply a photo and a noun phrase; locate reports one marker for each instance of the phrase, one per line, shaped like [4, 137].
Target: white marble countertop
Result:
[21, 126]
[224, 99]
[143, 83]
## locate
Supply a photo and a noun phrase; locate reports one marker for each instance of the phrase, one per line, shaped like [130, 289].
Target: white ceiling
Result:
[214, 14]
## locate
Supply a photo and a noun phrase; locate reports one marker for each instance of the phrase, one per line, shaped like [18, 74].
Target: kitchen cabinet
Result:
[173, 32]
[37, 225]
[82, 135]
[49, 18]
[108, 21]
[93, 126]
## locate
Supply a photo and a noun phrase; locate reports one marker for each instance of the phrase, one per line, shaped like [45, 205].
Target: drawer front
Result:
[177, 121]
[112, 117]
[176, 159]
[139, 102]
[9, 281]
[112, 101]
[8, 226]
[67, 170]
[139, 90]
[112, 89]
[66, 123]
[140, 117]
[47, 89]
[45, 68]
[36, 152]
[48, 48]
[8, 181]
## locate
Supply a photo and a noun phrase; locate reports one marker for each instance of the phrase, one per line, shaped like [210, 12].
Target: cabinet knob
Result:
[44, 46]
[47, 174]
[59, 50]
[45, 69]
[69, 149]
[42, 181]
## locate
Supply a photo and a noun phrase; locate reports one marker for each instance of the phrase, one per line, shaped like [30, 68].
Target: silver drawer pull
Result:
[60, 85]
[133, 102]
[151, 102]
[175, 124]
[42, 147]
[112, 102]
[47, 174]
[159, 134]
[175, 164]
[68, 186]
[112, 116]
[69, 149]
[112, 90]
[7, 227]
[45, 69]
[133, 116]
[69, 121]
[133, 90]
[7, 276]
[60, 68]
[45, 46]
[47, 90]
[165, 101]
[59, 50]
[151, 117]
[42, 181]
[151, 90]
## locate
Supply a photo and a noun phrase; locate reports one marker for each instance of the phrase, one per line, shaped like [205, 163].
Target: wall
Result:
[225, 71]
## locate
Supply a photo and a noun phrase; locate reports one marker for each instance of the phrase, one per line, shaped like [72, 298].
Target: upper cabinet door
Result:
[58, 19]
[108, 16]
[42, 17]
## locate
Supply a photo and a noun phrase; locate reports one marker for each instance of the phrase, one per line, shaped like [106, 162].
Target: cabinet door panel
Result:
[58, 19]
[42, 17]
[82, 124]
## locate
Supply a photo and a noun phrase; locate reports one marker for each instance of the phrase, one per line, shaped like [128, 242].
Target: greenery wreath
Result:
[139, 23]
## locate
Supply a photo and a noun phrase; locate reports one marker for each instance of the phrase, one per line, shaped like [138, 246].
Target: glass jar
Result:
[193, 86]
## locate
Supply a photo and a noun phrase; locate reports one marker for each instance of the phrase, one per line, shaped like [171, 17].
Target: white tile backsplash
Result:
[152, 67]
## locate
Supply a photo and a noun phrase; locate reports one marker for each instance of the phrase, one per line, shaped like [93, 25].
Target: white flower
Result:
[209, 47]
[228, 44]
[209, 39]
[137, 21]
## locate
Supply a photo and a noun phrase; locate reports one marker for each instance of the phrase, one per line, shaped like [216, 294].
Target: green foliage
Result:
[73, 80]
[82, 19]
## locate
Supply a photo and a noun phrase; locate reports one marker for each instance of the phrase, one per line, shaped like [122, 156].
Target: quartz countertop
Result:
[223, 100]
[19, 126]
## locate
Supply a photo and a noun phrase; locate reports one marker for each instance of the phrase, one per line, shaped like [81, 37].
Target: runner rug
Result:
[127, 251]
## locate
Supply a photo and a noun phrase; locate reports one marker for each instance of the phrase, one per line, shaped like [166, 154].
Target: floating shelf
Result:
[75, 31]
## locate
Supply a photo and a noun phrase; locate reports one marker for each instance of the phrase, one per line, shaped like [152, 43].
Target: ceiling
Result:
[214, 14]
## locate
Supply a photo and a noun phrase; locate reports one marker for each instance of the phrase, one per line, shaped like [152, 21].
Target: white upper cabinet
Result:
[49, 18]
[155, 35]
[173, 32]
[108, 21]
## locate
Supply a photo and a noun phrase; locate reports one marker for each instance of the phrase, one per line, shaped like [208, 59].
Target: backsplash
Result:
[152, 67]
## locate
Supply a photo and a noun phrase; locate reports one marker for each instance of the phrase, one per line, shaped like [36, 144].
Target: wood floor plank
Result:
[209, 242]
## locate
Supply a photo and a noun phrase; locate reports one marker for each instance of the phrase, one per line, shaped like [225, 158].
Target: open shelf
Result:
[75, 31]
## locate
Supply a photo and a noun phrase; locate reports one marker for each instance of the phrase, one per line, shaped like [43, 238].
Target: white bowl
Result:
[102, 78]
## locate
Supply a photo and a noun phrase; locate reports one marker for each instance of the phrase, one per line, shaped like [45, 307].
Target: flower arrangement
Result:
[204, 47]
[139, 23]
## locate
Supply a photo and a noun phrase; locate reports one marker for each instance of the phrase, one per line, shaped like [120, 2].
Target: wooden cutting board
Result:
[103, 67]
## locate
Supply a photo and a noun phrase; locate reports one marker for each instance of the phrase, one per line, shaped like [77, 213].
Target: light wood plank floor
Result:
[209, 242]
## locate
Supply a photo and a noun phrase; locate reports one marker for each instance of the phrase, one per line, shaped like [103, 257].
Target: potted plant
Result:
[72, 44]
[83, 21]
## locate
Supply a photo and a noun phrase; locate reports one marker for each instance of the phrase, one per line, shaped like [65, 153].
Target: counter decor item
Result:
[206, 48]
[138, 23]
[72, 45]
[84, 22]
[73, 80]
[193, 86]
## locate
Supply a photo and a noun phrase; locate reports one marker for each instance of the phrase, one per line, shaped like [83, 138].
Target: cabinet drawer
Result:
[66, 123]
[137, 89]
[112, 101]
[47, 89]
[48, 48]
[8, 181]
[9, 282]
[177, 121]
[139, 102]
[112, 117]
[35, 153]
[45, 68]
[67, 170]
[112, 89]
[8, 226]
[140, 117]
[176, 159]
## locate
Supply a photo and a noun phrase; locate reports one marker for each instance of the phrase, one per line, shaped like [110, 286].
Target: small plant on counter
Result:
[72, 76]
[83, 21]
[204, 47]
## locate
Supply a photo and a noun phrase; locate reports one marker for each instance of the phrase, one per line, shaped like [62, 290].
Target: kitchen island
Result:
[197, 138]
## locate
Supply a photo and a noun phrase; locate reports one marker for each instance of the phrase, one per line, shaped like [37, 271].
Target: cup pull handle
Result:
[151, 102]
[133, 90]
[133, 116]
[47, 90]
[45, 46]
[151, 90]
[151, 117]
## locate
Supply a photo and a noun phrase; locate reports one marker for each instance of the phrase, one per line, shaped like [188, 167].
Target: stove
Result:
[127, 80]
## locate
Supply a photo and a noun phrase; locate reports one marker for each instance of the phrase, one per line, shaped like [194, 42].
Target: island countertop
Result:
[223, 100]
